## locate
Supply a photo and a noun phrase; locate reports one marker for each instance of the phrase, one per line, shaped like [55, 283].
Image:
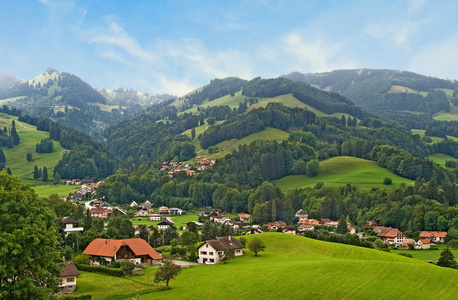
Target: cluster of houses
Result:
[87, 189]
[175, 167]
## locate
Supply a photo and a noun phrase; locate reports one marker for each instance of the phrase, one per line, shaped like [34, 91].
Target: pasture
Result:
[338, 171]
[292, 267]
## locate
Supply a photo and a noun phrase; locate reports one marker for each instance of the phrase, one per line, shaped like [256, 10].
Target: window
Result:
[70, 279]
[212, 260]
[210, 253]
[203, 252]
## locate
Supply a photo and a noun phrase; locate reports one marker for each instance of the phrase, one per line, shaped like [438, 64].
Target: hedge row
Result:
[106, 270]
[84, 297]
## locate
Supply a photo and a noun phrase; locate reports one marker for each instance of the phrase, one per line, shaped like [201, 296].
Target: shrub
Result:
[406, 254]
[127, 265]
[83, 297]
[81, 259]
[387, 181]
[105, 270]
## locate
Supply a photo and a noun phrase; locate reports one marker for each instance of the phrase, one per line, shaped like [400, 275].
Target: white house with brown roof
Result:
[301, 214]
[391, 235]
[245, 218]
[71, 226]
[434, 236]
[138, 251]
[423, 244]
[68, 276]
[213, 250]
[155, 217]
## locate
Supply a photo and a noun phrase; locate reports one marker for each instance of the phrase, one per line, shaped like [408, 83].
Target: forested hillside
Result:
[71, 102]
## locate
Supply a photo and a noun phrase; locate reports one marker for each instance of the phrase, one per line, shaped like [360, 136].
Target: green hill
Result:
[18, 164]
[339, 171]
[292, 267]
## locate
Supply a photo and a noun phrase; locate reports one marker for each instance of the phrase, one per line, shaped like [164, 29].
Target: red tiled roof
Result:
[389, 232]
[435, 234]
[108, 248]
[245, 216]
[425, 241]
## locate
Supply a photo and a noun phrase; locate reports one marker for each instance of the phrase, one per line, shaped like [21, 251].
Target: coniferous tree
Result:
[8, 170]
[447, 259]
[36, 173]
[45, 174]
[193, 133]
[2, 156]
[342, 227]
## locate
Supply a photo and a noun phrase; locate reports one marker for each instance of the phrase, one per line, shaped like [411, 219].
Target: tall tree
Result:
[167, 271]
[193, 133]
[342, 227]
[31, 256]
[35, 172]
[447, 259]
[256, 245]
[2, 156]
[45, 174]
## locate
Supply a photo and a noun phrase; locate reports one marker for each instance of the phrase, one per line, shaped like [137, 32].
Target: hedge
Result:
[106, 270]
[83, 297]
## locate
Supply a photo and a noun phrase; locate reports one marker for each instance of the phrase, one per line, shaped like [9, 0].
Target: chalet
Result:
[142, 213]
[176, 211]
[308, 222]
[423, 244]
[99, 212]
[351, 230]
[203, 214]
[138, 251]
[133, 203]
[163, 225]
[391, 236]
[97, 203]
[214, 214]
[371, 223]
[146, 205]
[405, 243]
[163, 210]
[301, 214]
[68, 276]
[306, 227]
[274, 226]
[213, 250]
[325, 220]
[195, 222]
[245, 218]
[232, 223]
[434, 236]
[118, 212]
[71, 226]
[155, 217]
[76, 181]
[191, 173]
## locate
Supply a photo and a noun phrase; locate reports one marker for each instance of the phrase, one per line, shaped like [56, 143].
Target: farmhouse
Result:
[68, 276]
[176, 211]
[155, 217]
[141, 213]
[245, 218]
[136, 250]
[163, 210]
[301, 214]
[276, 225]
[434, 236]
[423, 244]
[163, 225]
[213, 250]
[391, 236]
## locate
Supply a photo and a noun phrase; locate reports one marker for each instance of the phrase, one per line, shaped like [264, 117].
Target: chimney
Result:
[230, 238]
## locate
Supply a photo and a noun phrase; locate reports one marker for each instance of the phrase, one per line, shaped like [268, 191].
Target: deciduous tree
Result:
[167, 271]
[256, 245]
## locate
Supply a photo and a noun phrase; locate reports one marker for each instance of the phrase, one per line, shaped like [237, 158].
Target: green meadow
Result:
[440, 158]
[338, 171]
[292, 267]
[16, 157]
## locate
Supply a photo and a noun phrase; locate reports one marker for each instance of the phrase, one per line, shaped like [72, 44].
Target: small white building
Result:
[163, 225]
[68, 276]
[213, 250]
[70, 226]
[155, 217]
[175, 211]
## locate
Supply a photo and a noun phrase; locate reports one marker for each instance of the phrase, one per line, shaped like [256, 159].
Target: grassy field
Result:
[17, 162]
[435, 139]
[292, 267]
[425, 255]
[447, 116]
[440, 158]
[339, 171]
[403, 89]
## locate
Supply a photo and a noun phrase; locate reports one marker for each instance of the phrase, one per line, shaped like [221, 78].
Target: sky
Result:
[175, 47]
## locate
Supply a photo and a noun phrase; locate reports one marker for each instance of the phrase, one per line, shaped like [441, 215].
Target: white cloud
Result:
[308, 54]
[397, 33]
[171, 66]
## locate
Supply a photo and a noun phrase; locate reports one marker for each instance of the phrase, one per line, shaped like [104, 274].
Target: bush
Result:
[127, 265]
[83, 297]
[81, 259]
[406, 254]
[105, 270]
[387, 181]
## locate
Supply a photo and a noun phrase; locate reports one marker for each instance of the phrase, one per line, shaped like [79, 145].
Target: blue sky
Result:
[177, 46]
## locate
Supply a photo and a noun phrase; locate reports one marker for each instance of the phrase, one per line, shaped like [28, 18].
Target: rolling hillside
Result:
[339, 171]
[20, 167]
[294, 266]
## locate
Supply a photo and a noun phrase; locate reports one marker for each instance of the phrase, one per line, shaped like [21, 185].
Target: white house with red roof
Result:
[434, 236]
[136, 250]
